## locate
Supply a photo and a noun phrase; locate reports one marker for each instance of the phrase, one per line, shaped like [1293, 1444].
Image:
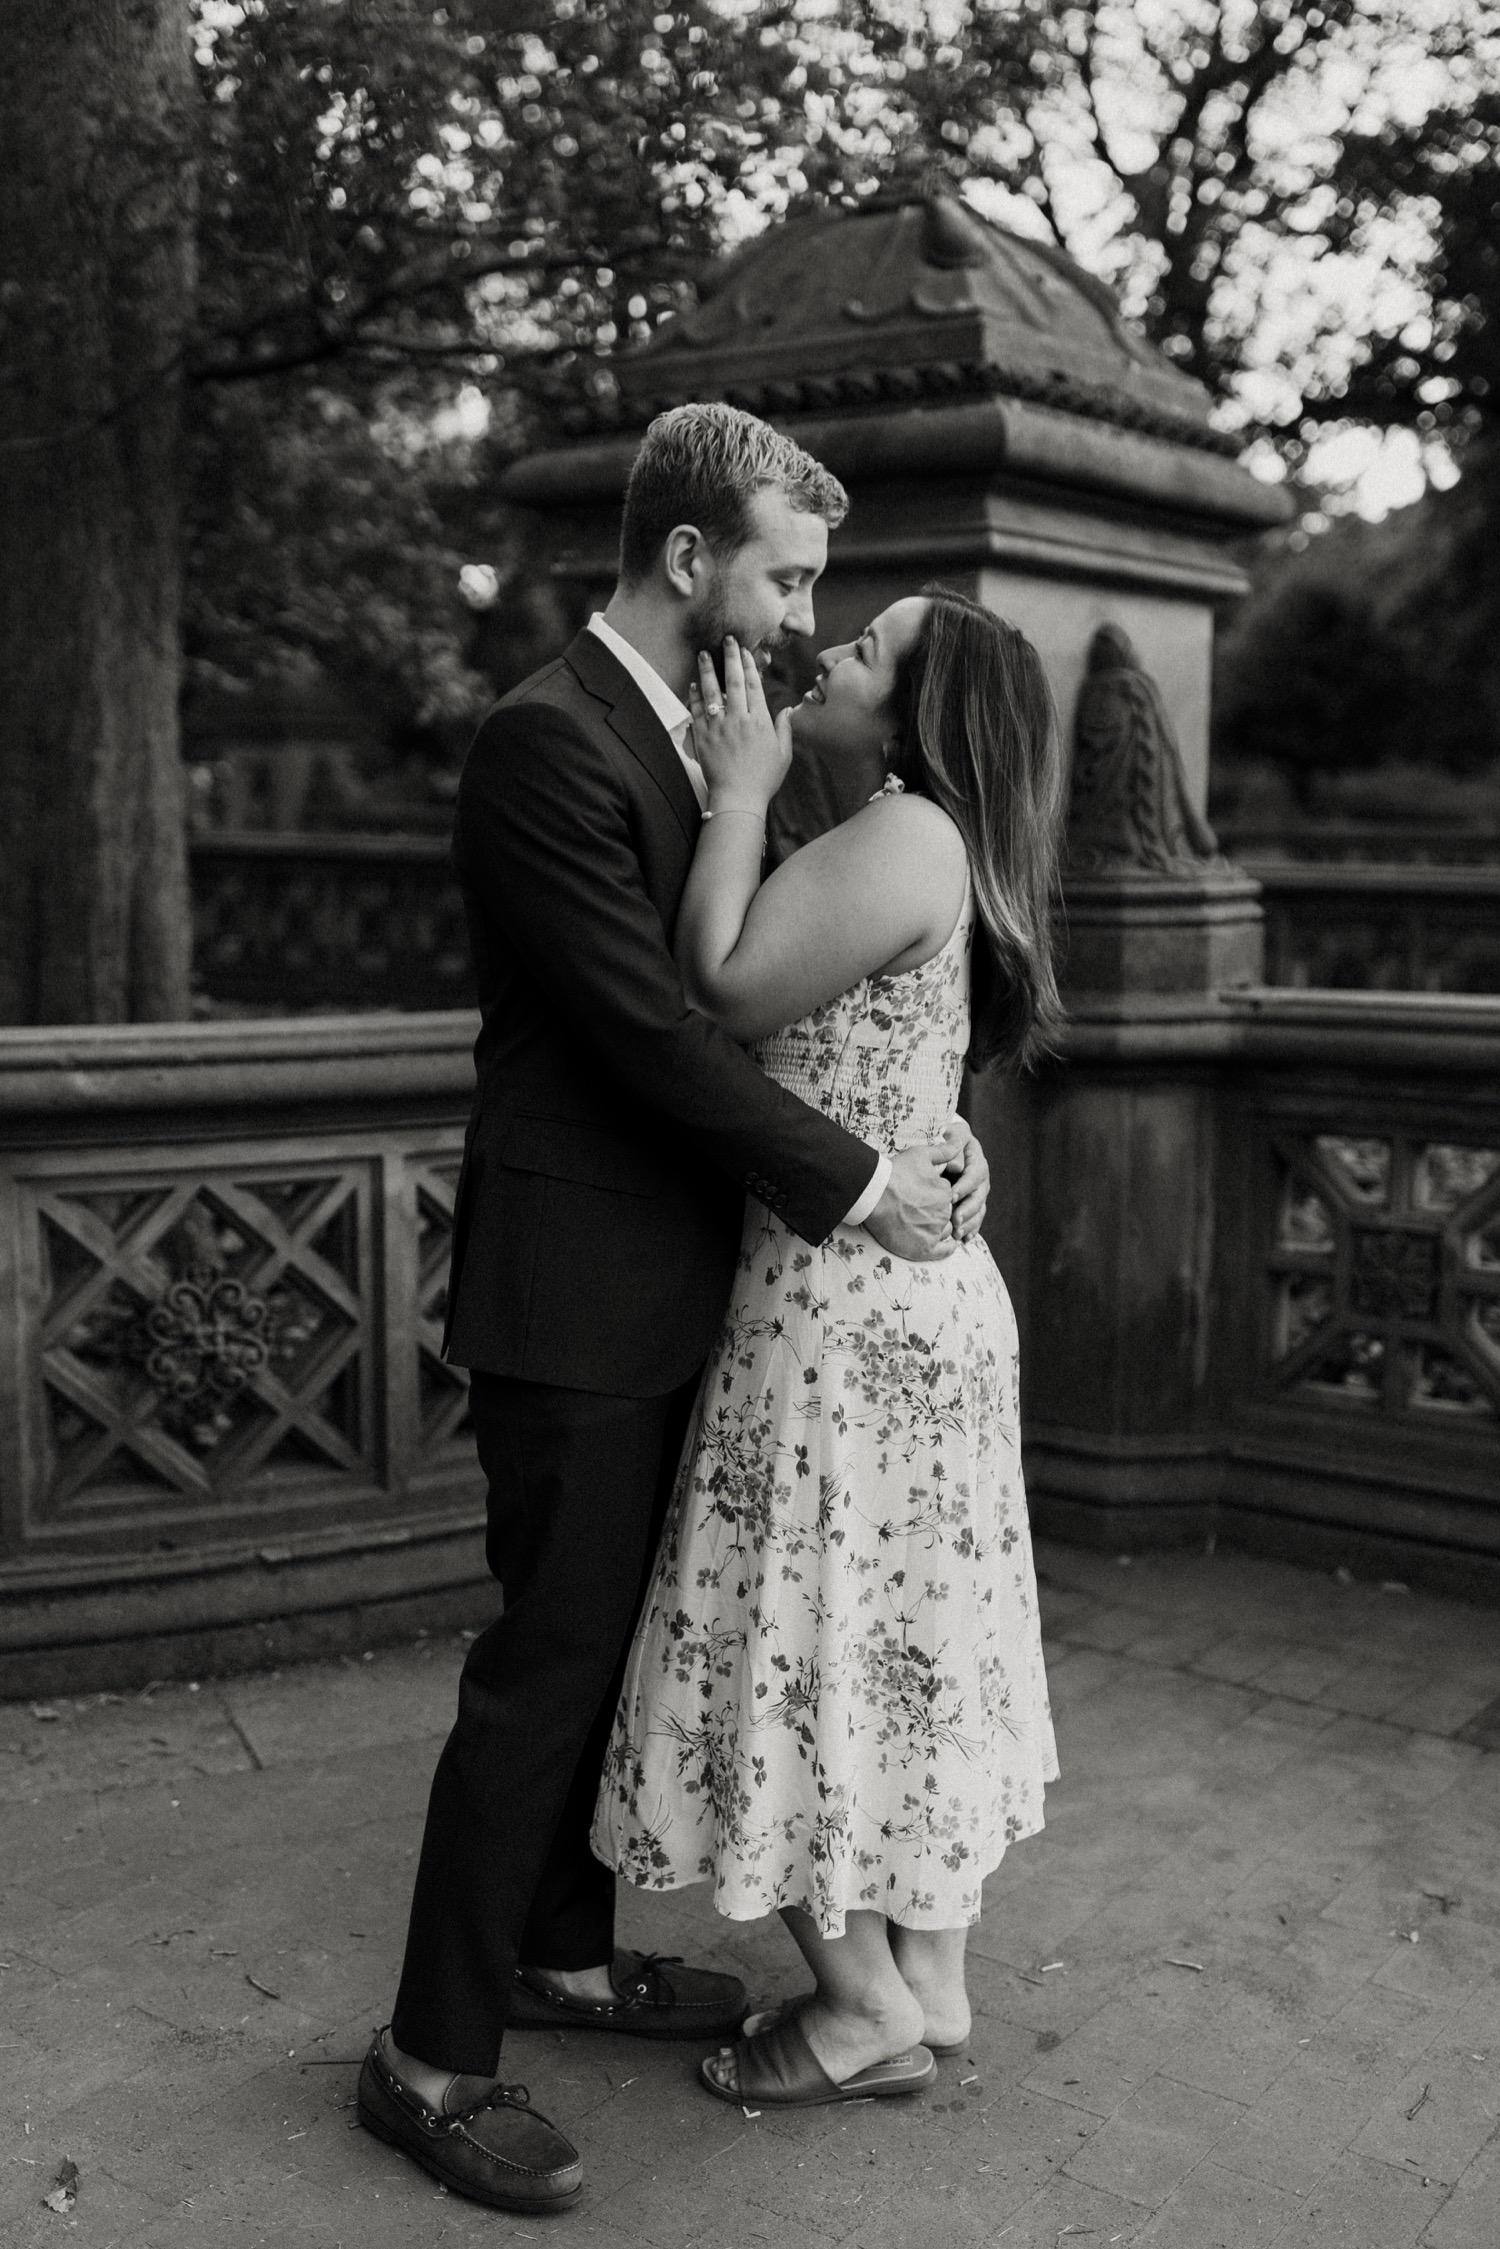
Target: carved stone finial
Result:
[1130, 810]
[951, 237]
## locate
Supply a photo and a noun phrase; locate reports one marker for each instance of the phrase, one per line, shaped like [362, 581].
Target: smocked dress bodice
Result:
[886, 1058]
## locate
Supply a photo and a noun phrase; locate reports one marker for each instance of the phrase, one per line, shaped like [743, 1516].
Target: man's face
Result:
[762, 594]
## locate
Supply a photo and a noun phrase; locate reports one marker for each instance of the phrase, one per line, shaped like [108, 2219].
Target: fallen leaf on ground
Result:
[65, 2193]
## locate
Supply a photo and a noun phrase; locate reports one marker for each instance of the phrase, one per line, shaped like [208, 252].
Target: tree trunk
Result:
[96, 283]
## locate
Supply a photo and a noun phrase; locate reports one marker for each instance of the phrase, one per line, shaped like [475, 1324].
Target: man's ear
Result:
[686, 560]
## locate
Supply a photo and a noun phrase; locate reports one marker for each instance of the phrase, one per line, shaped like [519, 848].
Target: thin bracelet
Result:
[745, 813]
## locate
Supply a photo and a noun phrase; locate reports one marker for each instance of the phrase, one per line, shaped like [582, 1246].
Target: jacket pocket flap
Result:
[560, 1149]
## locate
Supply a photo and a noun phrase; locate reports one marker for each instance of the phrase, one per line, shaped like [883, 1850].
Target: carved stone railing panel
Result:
[304, 923]
[212, 1338]
[199, 1333]
[1392, 928]
[1255, 1258]
[296, 923]
[223, 1257]
[1384, 1277]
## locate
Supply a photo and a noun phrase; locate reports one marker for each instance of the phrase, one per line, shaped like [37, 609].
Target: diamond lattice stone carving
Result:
[199, 1330]
[1384, 1273]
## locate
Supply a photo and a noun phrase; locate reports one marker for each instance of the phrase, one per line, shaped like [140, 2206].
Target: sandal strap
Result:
[778, 2064]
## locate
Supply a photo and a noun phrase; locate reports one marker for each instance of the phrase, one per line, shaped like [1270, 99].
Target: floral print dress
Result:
[835, 1698]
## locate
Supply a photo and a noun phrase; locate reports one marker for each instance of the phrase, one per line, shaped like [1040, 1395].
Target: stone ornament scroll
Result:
[1130, 812]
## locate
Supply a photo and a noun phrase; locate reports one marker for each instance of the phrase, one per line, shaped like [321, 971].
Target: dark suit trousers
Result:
[579, 1486]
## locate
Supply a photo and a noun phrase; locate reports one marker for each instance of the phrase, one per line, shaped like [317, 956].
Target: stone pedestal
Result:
[1138, 935]
[1112, 1263]
[1110, 1268]
[998, 426]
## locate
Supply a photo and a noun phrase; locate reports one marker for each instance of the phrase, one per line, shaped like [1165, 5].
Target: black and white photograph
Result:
[750, 1124]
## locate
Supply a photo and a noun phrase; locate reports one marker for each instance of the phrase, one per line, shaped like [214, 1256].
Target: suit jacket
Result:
[614, 1128]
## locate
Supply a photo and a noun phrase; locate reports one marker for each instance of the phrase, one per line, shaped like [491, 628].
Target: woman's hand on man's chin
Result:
[745, 753]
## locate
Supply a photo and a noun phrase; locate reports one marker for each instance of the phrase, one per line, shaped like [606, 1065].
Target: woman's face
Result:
[848, 709]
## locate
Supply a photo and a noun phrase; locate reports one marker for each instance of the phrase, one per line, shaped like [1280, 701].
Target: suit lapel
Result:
[632, 719]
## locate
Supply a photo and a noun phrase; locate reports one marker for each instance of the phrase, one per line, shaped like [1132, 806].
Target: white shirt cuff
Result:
[880, 1179]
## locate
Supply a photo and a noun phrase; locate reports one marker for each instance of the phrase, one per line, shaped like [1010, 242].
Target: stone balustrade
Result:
[284, 923]
[1381, 927]
[225, 1428]
[1253, 1239]
[1254, 1244]
[288, 923]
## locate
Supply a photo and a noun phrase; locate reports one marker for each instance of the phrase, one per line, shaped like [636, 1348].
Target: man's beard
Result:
[707, 620]
[710, 625]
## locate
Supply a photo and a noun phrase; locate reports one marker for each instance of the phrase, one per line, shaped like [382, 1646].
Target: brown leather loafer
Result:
[493, 2148]
[658, 1998]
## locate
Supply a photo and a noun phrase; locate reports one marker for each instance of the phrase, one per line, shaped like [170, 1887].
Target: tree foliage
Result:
[1440, 371]
[400, 198]
[389, 180]
[1374, 646]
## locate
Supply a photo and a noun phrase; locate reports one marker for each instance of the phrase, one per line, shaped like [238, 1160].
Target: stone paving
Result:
[1245, 1989]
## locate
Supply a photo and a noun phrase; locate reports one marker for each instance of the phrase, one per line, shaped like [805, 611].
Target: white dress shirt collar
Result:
[674, 714]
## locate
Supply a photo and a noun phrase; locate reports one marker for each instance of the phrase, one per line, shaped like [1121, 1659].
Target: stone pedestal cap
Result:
[919, 340]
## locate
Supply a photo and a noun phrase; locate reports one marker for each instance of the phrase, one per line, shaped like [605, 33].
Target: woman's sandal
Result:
[769, 2017]
[778, 2069]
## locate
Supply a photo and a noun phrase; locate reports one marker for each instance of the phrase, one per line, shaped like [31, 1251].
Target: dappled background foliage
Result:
[425, 231]
[1373, 650]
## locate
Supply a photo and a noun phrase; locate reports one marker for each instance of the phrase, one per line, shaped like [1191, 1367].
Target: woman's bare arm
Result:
[881, 891]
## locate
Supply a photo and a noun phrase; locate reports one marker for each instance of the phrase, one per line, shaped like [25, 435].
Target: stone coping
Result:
[1372, 878]
[983, 437]
[89, 1068]
[1278, 1025]
[403, 845]
[110, 1067]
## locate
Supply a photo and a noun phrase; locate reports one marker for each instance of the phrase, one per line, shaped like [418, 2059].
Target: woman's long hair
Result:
[977, 732]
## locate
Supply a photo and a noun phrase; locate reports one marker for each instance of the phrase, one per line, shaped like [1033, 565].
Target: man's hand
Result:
[969, 1173]
[914, 1217]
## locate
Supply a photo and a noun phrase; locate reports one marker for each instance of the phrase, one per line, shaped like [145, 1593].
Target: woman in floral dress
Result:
[835, 1705]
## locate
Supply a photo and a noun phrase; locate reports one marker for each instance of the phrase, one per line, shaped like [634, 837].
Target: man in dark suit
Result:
[614, 1134]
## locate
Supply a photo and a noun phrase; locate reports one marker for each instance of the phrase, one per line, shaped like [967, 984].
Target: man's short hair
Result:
[703, 465]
